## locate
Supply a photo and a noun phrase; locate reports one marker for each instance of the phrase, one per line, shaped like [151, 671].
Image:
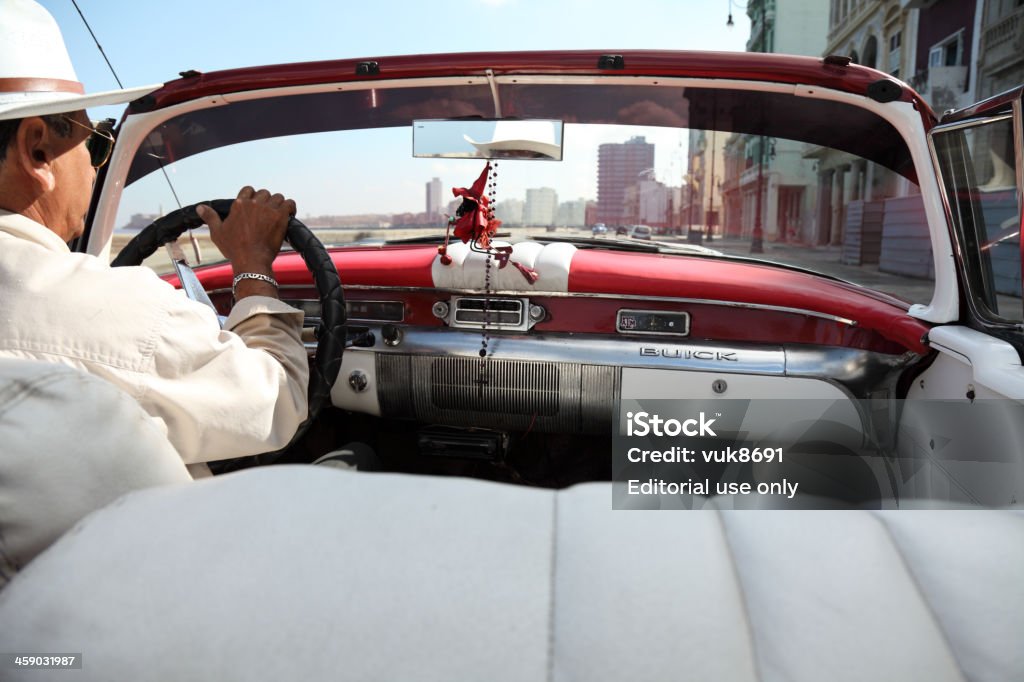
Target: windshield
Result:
[762, 175]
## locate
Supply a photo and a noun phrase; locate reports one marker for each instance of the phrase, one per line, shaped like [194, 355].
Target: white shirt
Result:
[216, 393]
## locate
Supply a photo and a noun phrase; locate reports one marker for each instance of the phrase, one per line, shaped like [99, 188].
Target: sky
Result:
[151, 42]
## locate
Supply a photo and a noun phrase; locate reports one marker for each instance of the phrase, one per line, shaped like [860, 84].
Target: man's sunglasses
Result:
[101, 142]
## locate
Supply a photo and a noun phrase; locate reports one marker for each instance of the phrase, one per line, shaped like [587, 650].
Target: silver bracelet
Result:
[251, 275]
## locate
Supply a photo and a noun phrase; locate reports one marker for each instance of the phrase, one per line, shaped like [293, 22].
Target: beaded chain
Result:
[485, 336]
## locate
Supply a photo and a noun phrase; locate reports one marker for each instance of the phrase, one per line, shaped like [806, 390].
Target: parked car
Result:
[641, 232]
[599, 228]
[873, 380]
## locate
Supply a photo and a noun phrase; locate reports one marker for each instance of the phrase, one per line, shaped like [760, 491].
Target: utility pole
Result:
[757, 237]
[711, 191]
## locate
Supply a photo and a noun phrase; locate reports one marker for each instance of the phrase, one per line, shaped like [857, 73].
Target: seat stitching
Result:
[742, 594]
[921, 593]
[551, 587]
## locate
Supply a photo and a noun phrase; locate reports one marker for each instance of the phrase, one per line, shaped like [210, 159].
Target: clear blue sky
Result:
[151, 42]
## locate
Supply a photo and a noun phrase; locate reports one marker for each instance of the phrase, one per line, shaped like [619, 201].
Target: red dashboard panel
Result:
[727, 300]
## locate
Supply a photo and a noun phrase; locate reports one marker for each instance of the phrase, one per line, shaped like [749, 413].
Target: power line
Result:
[120, 85]
[100, 47]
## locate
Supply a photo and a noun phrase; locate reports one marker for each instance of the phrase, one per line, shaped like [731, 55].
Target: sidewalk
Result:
[826, 260]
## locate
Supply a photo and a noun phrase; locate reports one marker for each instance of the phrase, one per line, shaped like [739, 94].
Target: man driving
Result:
[217, 393]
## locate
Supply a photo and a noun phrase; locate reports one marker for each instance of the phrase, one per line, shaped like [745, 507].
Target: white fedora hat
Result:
[537, 137]
[36, 76]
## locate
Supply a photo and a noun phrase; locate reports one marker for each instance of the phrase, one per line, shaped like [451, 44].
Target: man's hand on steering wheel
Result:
[251, 236]
[246, 239]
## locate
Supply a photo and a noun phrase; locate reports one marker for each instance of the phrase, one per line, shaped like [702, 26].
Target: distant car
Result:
[599, 229]
[621, 229]
[641, 232]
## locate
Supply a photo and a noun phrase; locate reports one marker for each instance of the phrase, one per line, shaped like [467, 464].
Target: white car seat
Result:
[314, 573]
[70, 443]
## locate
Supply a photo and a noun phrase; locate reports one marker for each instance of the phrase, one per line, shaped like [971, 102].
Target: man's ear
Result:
[33, 153]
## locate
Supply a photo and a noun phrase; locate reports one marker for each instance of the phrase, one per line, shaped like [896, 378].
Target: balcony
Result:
[1002, 41]
[942, 86]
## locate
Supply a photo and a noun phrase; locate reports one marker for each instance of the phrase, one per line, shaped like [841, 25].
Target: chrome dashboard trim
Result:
[461, 310]
[858, 371]
[586, 369]
[570, 294]
[614, 351]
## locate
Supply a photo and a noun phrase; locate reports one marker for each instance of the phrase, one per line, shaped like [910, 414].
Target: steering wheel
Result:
[330, 333]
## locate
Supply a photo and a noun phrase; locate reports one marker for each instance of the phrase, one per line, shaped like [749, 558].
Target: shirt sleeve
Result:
[228, 393]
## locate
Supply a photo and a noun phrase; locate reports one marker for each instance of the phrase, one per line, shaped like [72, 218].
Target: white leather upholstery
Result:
[70, 443]
[319, 574]
[468, 268]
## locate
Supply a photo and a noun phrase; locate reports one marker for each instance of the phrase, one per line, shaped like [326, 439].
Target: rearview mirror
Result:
[486, 139]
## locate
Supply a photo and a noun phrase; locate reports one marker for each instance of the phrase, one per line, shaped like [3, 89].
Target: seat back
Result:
[70, 443]
[316, 573]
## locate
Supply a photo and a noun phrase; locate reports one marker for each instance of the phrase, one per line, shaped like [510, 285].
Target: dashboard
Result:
[559, 363]
[434, 344]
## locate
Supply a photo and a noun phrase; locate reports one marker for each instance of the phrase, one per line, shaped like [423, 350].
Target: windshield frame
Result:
[903, 115]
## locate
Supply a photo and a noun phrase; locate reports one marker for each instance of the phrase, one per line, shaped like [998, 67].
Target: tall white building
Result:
[541, 207]
[572, 213]
[789, 26]
[509, 211]
[434, 205]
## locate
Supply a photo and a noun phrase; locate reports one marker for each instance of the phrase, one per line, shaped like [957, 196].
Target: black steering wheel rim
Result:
[331, 331]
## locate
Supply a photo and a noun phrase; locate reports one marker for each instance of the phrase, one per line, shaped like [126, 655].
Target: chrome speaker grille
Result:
[515, 395]
[503, 386]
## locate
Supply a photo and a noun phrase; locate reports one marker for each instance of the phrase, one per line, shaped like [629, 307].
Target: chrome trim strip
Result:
[573, 294]
[856, 372]
[570, 348]
[946, 127]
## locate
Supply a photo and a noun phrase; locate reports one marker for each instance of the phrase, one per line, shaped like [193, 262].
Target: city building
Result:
[702, 207]
[789, 26]
[649, 202]
[933, 45]
[771, 174]
[945, 64]
[434, 198]
[541, 207]
[1000, 63]
[952, 52]
[509, 211]
[572, 213]
[881, 34]
[619, 167]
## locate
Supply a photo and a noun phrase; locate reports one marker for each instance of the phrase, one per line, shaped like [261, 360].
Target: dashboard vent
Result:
[471, 312]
